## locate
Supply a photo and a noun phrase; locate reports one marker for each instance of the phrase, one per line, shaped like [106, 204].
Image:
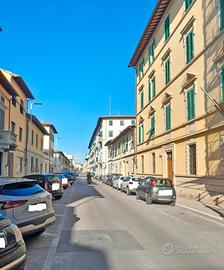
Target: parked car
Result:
[116, 180]
[130, 184]
[50, 182]
[153, 189]
[26, 204]
[71, 177]
[109, 180]
[64, 180]
[120, 182]
[12, 246]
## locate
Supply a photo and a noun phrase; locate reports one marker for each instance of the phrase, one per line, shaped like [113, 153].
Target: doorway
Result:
[170, 165]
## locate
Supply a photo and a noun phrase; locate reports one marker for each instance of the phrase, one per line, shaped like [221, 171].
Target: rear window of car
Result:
[53, 178]
[163, 183]
[20, 189]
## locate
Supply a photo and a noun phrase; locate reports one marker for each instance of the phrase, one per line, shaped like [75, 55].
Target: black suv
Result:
[50, 182]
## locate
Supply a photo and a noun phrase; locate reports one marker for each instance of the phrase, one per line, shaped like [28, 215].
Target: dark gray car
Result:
[12, 246]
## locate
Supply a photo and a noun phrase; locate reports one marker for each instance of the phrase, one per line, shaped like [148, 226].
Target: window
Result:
[192, 159]
[36, 165]
[19, 164]
[187, 4]
[151, 88]
[191, 104]
[151, 131]
[132, 122]
[151, 52]
[32, 165]
[141, 69]
[13, 127]
[168, 117]
[141, 134]
[110, 133]
[21, 106]
[20, 134]
[222, 83]
[142, 99]
[41, 168]
[14, 101]
[110, 122]
[41, 144]
[167, 28]
[221, 14]
[36, 140]
[143, 161]
[153, 163]
[189, 46]
[2, 119]
[167, 71]
[32, 137]
[121, 122]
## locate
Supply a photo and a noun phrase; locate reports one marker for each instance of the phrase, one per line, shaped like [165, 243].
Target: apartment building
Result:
[107, 128]
[15, 116]
[8, 141]
[61, 162]
[36, 157]
[49, 147]
[121, 152]
[179, 63]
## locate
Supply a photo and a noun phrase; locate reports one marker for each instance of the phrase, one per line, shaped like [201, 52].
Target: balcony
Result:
[8, 140]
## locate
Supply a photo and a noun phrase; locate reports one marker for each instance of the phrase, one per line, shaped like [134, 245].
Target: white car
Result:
[130, 184]
[116, 180]
[120, 182]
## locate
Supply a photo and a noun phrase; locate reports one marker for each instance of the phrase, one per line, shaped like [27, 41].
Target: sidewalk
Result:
[196, 206]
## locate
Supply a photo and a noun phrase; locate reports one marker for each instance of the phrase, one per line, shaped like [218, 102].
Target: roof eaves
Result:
[7, 86]
[21, 83]
[154, 20]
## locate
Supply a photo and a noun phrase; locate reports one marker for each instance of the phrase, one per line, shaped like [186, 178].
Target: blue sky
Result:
[73, 54]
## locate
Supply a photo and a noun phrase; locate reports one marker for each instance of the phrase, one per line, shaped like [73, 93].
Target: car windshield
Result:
[21, 189]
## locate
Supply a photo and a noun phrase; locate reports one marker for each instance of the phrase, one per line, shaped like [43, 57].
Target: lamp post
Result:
[30, 127]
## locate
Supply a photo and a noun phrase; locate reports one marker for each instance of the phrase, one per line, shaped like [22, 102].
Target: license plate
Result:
[165, 192]
[2, 242]
[64, 181]
[55, 186]
[37, 207]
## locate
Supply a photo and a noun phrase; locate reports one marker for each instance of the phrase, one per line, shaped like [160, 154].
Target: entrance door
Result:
[170, 165]
[10, 163]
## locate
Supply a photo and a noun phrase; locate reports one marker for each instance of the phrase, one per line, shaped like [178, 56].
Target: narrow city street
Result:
[98, 227]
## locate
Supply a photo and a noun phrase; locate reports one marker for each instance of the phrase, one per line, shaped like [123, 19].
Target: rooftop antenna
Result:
[110, 106]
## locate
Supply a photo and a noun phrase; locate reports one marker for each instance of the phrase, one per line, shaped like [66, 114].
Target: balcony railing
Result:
[8, 140]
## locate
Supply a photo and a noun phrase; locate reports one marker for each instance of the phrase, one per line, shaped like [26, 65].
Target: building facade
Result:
[107, 128]
[179, 65]
[61, 162]
[121, 152]
[49, 147]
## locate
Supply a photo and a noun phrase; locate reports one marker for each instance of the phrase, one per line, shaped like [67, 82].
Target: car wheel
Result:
[121, 189]
[128, 191]
[173, 203]
[117, 187]
[137, 196]
[148, 199]
[58, 197]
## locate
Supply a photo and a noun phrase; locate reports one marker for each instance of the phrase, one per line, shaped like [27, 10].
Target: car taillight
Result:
[46, 186]
[153, 183]
[130, 183]
[12, 204]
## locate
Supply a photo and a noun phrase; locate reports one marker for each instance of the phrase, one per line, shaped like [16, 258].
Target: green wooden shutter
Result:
[154, 87]
[189, 47]
[139, 134]
[222, 75]
[221, 15]
[153, 49]
[167, 27]
[149, 54]
[168, 117]
[187, 4]
[191, 104]
[149, 90]
[167, 71]
[142, 133]
[142, 99]
[153, 125]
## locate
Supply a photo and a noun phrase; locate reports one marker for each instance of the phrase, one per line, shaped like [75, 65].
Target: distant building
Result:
[107, 128]
[121, 152]
[49, 146]
[61, 162]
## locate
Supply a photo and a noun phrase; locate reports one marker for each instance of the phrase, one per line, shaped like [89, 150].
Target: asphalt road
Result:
[98, 228]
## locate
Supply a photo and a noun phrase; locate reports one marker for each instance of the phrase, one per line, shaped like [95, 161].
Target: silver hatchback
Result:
[26, 204]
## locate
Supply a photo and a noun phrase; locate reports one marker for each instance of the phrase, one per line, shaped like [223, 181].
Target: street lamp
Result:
[30, 127]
